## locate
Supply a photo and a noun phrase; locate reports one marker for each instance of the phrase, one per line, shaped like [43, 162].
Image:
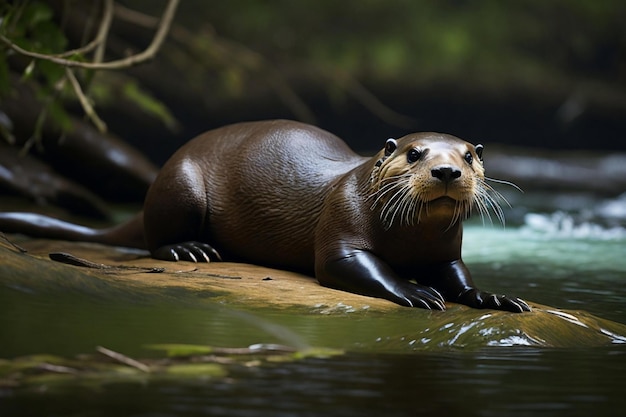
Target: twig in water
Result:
[123, 359]
[57, 369]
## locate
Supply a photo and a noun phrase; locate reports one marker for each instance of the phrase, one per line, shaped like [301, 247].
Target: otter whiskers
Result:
[403, 204]
[486, 199]
[462, 210]
[399, 201]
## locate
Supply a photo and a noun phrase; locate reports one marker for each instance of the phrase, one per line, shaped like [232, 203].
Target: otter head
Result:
[428, 175]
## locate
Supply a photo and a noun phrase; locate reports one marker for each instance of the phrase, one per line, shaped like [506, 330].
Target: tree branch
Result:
[147, 54]
[235, 54]
[103, 31]
[100, 40]
[84, 101]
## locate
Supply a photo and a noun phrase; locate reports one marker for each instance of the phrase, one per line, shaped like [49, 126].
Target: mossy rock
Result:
[248, 287]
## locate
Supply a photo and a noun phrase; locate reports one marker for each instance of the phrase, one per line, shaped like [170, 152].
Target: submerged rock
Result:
[464, 328]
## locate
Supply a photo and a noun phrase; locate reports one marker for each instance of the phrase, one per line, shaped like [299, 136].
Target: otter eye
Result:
[469, 158]
[390, 146]
[479, 151]
[413, 155]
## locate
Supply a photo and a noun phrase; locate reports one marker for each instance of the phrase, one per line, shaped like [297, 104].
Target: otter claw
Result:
[205, 256]
[494, 300]
[424, 297]
[478, 299]
[436, 305]
[522, 304]
[514, 305]
[187, 254]
[187, 251]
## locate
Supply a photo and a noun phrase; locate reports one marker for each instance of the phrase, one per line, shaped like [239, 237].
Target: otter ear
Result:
[479, 151]
[390, 146]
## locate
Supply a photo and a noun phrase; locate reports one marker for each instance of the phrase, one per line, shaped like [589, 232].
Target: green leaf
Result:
[149, 104]
[36, 13]
[28, 71]
[197, 370]
[59, 115]
[52, 72]
[31, 26]
[49, 38]
[177, 350]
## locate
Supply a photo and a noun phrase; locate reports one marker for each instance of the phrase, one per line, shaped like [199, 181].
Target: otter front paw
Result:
[480, 299]
[187, 251]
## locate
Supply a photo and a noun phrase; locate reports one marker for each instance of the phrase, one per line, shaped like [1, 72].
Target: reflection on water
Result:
[547, 260]
[494, 382]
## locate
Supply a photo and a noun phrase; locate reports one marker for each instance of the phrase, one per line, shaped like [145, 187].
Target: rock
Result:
[118, 272]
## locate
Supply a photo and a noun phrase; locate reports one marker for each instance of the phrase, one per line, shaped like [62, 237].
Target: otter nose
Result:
[446, 173]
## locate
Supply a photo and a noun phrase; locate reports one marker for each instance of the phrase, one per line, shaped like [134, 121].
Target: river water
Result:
[574, 259]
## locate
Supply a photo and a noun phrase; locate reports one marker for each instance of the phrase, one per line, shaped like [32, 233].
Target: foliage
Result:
[35, 44]
[390, 38]
[240, 49]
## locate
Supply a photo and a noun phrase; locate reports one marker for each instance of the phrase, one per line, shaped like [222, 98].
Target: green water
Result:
[579, 273]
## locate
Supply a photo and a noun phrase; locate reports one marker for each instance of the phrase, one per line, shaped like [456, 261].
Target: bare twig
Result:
[100, 40]
[15, 245]
[35, 138]
[103, 31]
[68, 258]
[135, 17]
[58, 369]
[84, 101]
[368, 99]
[147, 54]
[250, 60]
[240, 55]
[123, 359]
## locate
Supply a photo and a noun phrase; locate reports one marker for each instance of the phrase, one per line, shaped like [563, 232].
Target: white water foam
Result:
[561, 225]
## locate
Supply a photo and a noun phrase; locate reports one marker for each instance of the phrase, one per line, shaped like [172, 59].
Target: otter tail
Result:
[129, 234]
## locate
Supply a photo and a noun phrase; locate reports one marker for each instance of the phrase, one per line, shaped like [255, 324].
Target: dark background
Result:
[543, 78]
[533, 73]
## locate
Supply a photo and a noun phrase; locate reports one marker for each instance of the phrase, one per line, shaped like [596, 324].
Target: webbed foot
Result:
[481, 299]
[187, 251]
